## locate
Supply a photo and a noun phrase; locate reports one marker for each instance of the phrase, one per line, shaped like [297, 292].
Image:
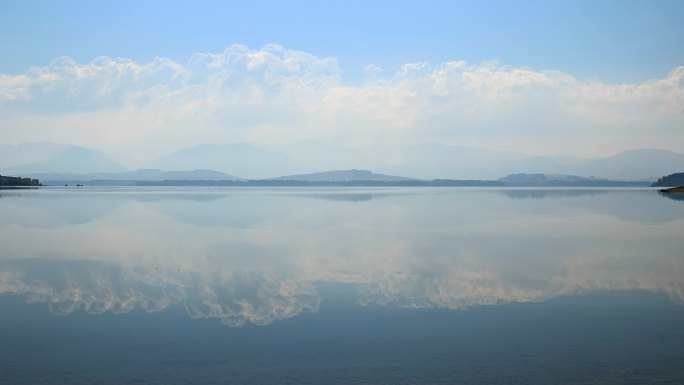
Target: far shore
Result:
[678, 189]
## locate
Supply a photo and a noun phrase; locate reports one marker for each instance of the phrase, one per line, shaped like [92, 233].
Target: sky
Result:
[141, 78]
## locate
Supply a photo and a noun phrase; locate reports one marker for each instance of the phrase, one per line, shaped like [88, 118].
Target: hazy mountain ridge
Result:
[435, 160]
[424, 161]
[242, 159]
[59, 158]
[137, 175]
[641, 164]
[343, 176]
[25, 153]
[543, 180]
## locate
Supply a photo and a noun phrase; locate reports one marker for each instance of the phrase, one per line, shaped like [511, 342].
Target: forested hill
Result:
[676, 179]
[18, 181]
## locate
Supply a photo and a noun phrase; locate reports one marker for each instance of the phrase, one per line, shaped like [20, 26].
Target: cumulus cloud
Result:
[277, 95]
[66, 86]
[372, 69]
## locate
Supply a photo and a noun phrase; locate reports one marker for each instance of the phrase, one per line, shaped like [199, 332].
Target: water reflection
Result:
[677, 196]
[258, 256]
[635, 204]
[532, 193]
[258, 297]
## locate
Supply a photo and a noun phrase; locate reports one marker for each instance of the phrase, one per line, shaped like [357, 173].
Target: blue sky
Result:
[614, 41]
[585, 78]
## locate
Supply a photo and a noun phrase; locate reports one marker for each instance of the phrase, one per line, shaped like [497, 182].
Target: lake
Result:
[341, 286]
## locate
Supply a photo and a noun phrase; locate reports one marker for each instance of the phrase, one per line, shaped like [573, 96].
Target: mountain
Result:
[236, 159]
[342, 176]
[156, 174]
[11, 156]
[138, 175]
[325, 156]
[422, 161]
[645, 164]
[425, 161]
[435, 160]
[72, 159]
[542, 180]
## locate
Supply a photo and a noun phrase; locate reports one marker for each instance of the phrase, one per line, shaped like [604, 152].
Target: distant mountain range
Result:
[45, 157]
[243, 160]
[138, 175]
[434, 160]
[542, 180]
[343, 176]
[646, 164]
[25, 153]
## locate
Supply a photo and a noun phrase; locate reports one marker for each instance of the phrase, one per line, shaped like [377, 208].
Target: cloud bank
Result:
[275, 95]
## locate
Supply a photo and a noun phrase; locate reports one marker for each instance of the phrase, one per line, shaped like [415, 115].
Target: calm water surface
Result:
[341, 285]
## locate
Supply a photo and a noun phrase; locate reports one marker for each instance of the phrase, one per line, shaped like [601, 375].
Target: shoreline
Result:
[678, 189]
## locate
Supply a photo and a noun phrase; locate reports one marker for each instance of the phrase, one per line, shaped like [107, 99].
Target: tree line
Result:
[18, 181]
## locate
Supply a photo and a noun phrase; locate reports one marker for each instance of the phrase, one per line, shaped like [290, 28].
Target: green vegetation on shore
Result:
[18, 181]
[672, 180]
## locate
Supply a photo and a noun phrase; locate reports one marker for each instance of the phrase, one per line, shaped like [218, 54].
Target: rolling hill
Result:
[342, 176]
[71, 159]
[236, 159]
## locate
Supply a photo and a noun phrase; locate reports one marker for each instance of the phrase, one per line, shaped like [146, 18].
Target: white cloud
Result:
[275, 95]
[372, 70]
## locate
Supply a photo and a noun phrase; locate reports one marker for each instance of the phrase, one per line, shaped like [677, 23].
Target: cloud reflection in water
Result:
[450, 249]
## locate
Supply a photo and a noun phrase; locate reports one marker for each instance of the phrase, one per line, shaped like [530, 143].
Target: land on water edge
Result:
[12, 181]
[339, 178]
[672, 180]
[678, 189]
[674, 193]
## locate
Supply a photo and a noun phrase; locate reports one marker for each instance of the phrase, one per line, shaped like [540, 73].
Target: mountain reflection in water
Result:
[368, 286]
[257, 256]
